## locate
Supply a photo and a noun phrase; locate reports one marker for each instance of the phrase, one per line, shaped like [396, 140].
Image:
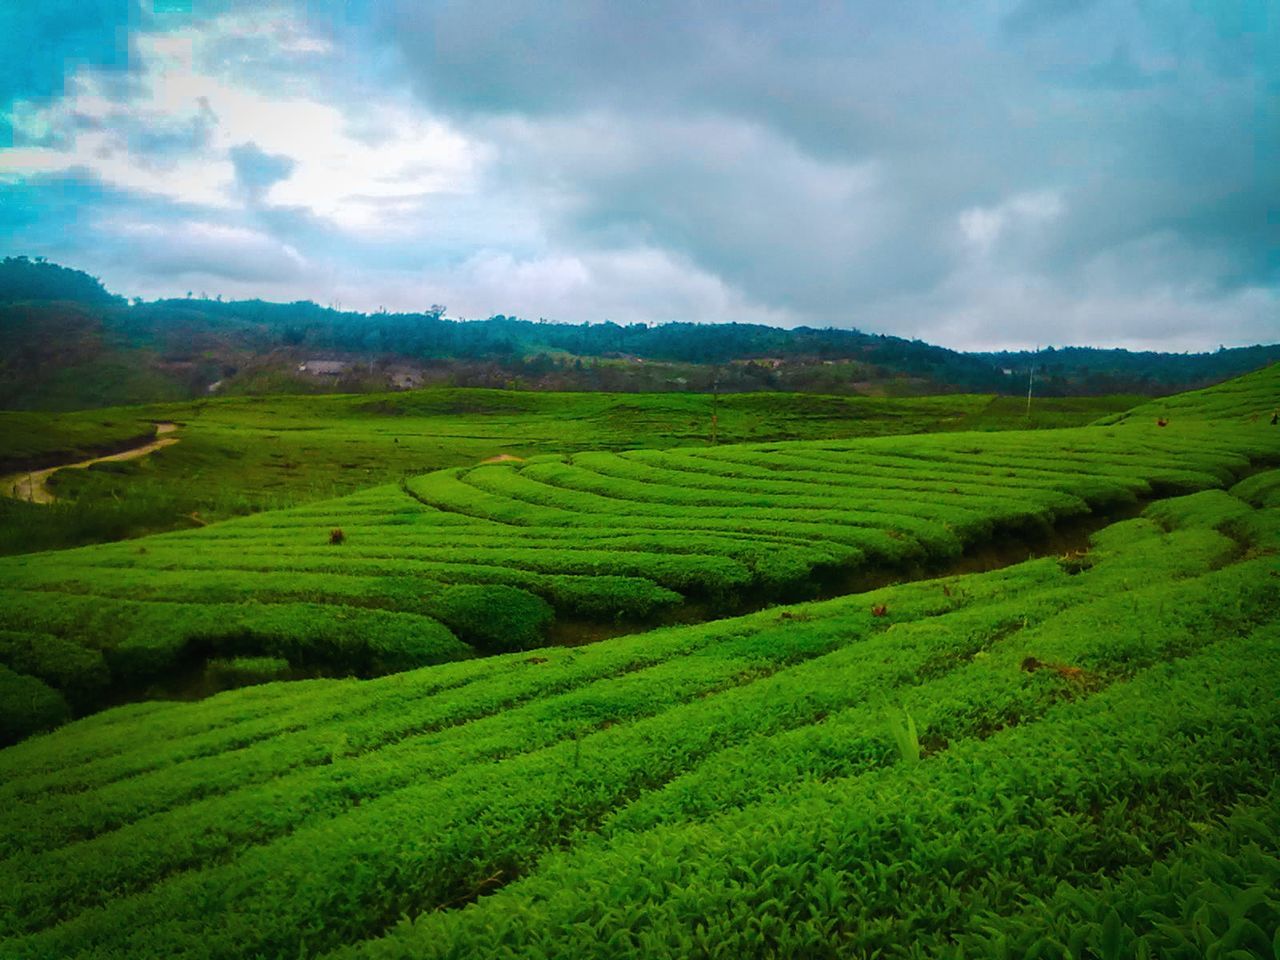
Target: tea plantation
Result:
[1070, 756]
[488, 559]
[812, 780]
[239, 455]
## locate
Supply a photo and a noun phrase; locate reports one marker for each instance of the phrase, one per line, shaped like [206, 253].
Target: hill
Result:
[1065, 755]
[975, 763]
[508, 555]
[241, 455]
[67, 344]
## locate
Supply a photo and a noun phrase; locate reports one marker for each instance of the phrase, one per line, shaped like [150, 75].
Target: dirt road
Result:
[33, 485]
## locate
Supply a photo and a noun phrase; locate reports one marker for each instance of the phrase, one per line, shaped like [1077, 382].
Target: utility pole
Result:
[715, 397]
[1031, 376]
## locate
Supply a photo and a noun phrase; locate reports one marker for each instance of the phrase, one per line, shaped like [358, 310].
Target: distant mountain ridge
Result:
[66, 342]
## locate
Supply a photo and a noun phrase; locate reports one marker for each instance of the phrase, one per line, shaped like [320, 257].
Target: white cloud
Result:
[983, 227]
[1121, 299]
[192, 252]
[362, 165]
[903, 169]
[625, 286]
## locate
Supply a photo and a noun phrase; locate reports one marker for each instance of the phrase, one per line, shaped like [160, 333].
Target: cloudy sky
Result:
[979, 175]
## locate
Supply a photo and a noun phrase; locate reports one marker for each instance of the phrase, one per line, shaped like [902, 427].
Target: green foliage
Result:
[494, 618]
[152, 642]
[740, 772]
[32, 440]
[27, 527]
[244, 455]
[1261, 490]
[79, 672]
[902, 727]
[1089, 747]
[113, 353]
[1213, 896]
[1248, 400]
[27, 706]
[230, 673]
[488, 557]
[608, 599]
[25, 279]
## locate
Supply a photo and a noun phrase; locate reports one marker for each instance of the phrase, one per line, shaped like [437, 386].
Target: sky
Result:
[981, 175]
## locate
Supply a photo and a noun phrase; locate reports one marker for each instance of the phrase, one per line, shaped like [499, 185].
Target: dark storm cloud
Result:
[732, 133]
[1033, 170]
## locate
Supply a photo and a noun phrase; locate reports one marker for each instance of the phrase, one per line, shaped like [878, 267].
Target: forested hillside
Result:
[66, 343]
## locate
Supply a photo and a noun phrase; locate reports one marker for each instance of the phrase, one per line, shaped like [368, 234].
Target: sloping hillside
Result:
[1253, 398]
[509, 555]
[1069, 755]
[68, 344]
[913, 769]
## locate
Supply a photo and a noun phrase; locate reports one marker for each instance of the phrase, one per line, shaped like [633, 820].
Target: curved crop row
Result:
[503, 556]
[745, 772]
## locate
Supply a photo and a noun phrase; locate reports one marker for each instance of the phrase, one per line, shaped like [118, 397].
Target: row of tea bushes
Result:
[735, 788]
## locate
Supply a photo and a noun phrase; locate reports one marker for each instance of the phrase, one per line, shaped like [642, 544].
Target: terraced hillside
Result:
[242, 455]
[1070, 756]
[488, 558]
[503, 556]
[1250, 399]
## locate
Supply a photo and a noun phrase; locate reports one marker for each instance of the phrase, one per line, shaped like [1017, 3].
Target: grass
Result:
[728, 788]
[1250, 399]
[32, 440]
[905, 736]
[492, 558]
[1079, 760]
[505, 556]
[244, 455]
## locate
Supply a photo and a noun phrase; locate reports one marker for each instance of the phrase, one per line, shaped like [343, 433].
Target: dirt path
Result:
[33, 487]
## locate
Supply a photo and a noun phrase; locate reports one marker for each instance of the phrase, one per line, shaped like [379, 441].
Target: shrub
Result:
[335, 639]
[78, 672]
[229, 673]
[610, 598]
[495, 618]
[27, 706]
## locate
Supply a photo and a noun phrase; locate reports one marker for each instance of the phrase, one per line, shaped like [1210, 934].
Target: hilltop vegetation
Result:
[67, 344]
[25, 279]
[1249, 399]
[493, 557]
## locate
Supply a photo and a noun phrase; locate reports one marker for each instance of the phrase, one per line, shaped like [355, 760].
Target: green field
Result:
[708, 789]
[501, 556]
[242, 455]
[1073, 755]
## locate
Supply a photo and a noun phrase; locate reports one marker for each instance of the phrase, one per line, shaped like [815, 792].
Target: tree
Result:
[24, 279]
